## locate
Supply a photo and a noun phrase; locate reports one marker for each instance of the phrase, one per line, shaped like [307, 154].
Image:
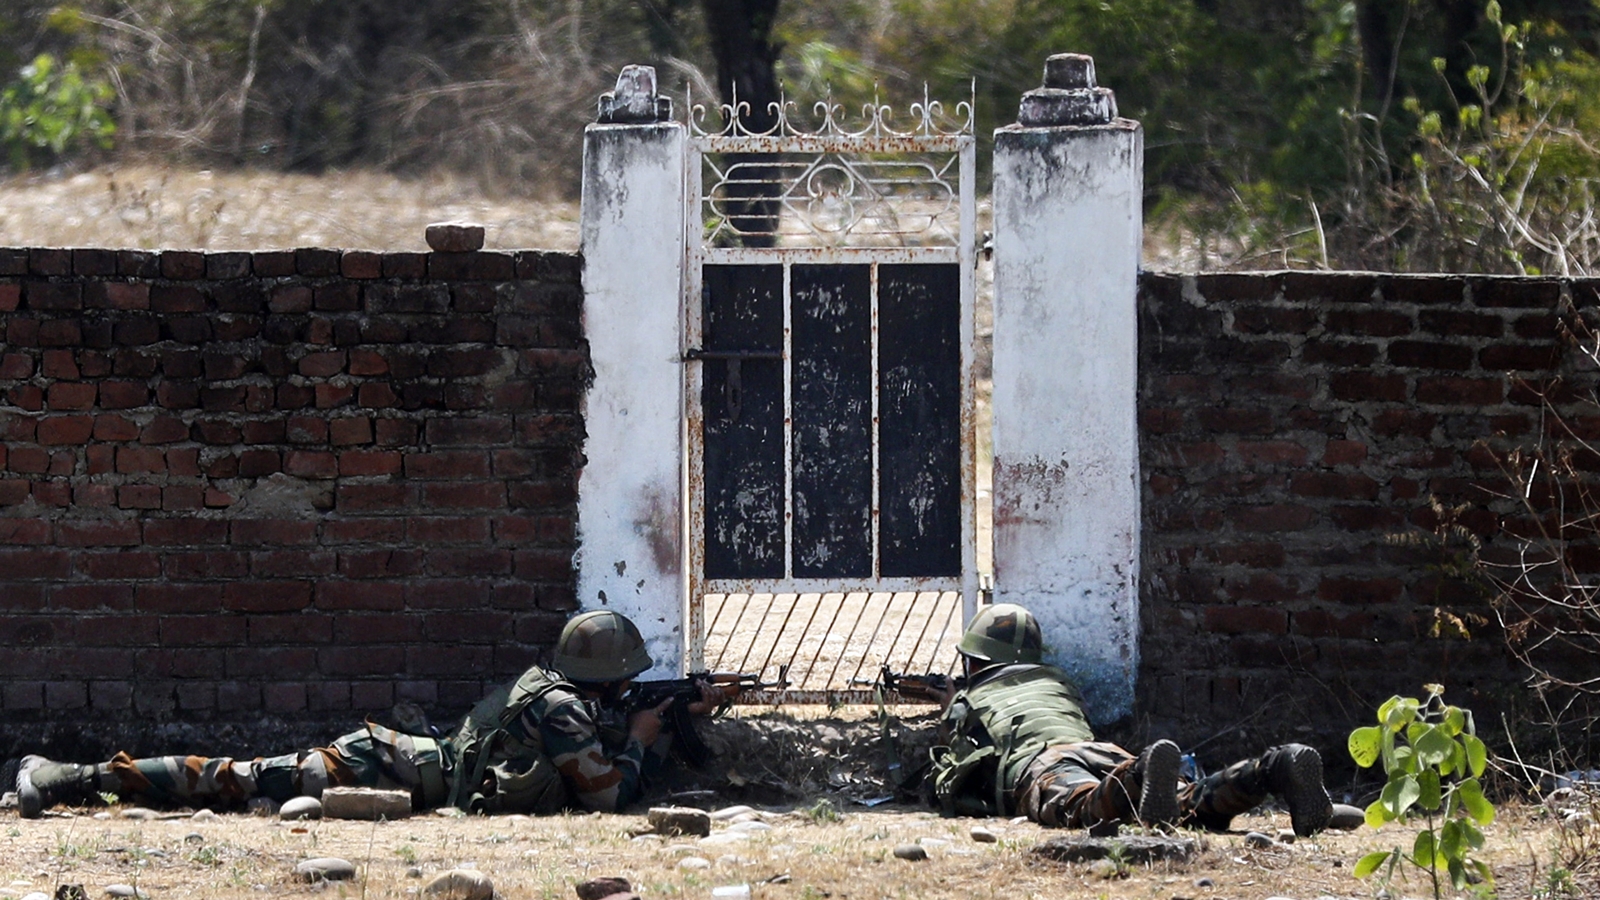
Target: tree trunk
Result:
[741, 32]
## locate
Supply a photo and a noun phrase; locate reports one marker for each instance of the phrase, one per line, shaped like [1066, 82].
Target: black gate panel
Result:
[919, 420]
[831, 387]
[742, 400]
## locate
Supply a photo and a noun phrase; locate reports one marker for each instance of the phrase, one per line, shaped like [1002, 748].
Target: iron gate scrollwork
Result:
[829, 391]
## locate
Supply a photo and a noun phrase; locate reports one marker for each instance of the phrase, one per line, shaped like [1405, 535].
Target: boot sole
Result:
[1158, 787]
[30, 804]
[1309, 806]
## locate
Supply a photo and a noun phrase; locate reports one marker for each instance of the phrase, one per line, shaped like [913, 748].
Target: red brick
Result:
[360, 498]
[139, 496]
[94, 495]
[1359, 590]
[306, 430]
[303, 628]
[369, 462]
[119, 295]
[1430, 355]
[52, 493]
[1246, 620]
[123, 395]
[29, 460]
[469, 430]
[311, 464]
[1272, 453]
[548, 494]
[377, 395]
[255, 463]
[1493, 292]
[396, 432]
[1380, 323]
[177, 396]
[1344, 453]
[1460, 391]
[464, 626]
[35, 564]
[59, 295]
[16, 365]
[363, 531]
[377, 595]
[24, 531]
[215, 499]
[1363, 387]
[322, 365]
[330, 396]
[448, 464]
[450, 593]
[185, 532]
[470, 495]
[290, 299]
[27, 396]
[1451, 323]
[469, 562]
[205, 565]
[349, 431]
[58, 364]
[291, 563]
[366, 660]
[10, 297]
[1524, 357]
[447, 530]
[57, 430]
[176, 498]
[281, 532]
[64, 395]
[544, 565]
[367, 628]
[1272, 517]
[97, 533]
[115, 428]
[267, 596]
[183, 462]
[164, 430]
[319, 331]
[140, 460]
[381, 563]
[367, 362]
[360, 264]
[1335, 485]
[98, 596]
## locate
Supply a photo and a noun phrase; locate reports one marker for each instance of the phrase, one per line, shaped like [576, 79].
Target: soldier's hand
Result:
[644, 726]
[712, 696]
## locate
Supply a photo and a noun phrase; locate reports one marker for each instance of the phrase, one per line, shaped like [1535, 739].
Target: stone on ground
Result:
[203, 815]
[679, 820]
[296, 808]
[601, 888]
[454, 237]
[325, 868]
[1259, 841]
[911, 852]
[983, 835]
[460, 884]
[365, 803]
[727, 813]
[1135, 849]
[139, 813]
[1346, 817]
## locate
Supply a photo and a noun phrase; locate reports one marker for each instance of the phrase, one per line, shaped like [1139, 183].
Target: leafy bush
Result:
[51, 111]
[1433, 761]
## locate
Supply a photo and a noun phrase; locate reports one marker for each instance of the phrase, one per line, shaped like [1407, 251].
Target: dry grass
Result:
[150, 207]
[241, 856]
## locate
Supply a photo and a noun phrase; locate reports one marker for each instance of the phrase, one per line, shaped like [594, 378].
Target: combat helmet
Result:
[1003, 633]
[600, 646]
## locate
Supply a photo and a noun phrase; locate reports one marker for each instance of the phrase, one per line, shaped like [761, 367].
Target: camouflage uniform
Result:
[554, 726]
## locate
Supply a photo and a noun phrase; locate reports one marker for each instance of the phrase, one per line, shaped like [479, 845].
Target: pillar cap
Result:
[1068, 96]
[634, 100]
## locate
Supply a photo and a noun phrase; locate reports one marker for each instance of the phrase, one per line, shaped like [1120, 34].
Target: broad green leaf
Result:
[1477, 806]
[1458, 874]
[1422, 850]
[1405, 760]
[1471, 835]
[1377, 814]
[1399, 794]
[1477, 755]
[1433, 746]
[1429, 797]
[1450, 840]
[1386, 710]
[1370, 863]
[1455, 721]
[1364, 746]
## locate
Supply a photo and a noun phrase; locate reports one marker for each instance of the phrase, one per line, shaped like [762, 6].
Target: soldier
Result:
[1015, 741]
[532, 747]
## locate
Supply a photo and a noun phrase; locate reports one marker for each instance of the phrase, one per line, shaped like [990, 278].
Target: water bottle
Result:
[1189, 768]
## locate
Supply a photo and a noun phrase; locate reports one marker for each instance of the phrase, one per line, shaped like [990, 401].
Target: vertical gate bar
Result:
[849, 640]
[872, 300]
[872, 641]
[735, 629]
[911, 606]
[711, 629]
[788, 424]
[750, 648]
[778, 638]
[966, 254]
[694, 475]
[823, 644]
[800, 644]
[916, 648]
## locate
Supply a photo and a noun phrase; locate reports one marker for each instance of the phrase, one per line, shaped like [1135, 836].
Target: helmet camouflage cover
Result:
[1003, 633]
[600, 646]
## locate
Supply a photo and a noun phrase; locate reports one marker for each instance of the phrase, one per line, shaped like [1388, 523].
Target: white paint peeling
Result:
[630, 495]
[1066, 441]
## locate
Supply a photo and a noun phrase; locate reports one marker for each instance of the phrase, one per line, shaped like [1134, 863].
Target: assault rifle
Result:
[931, 686]
[684, 691]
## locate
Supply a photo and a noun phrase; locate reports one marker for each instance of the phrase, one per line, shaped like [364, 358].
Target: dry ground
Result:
[242, 856]
[795, 768]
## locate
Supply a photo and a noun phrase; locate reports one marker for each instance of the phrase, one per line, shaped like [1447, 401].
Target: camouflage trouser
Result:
[371, 757]
[1213, 801]
[1078, 786]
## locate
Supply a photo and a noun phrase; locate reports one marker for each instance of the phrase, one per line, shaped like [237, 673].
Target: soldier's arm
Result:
[597, 781]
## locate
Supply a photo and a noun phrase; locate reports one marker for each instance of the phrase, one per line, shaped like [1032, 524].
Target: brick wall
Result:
[278, 490]
[1293, 424]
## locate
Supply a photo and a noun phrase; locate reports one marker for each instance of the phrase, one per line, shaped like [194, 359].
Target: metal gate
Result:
[829, 394]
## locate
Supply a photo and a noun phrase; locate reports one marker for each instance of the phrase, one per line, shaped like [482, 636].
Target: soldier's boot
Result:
[1156, 773]
[1293, 772]
[42, 784]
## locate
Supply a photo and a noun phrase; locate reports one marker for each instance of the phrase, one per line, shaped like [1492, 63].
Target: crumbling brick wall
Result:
[284, 487]
[1298, 430]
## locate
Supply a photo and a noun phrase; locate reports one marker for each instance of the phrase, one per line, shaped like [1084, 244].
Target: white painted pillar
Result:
[630, 493]
[1067, 234]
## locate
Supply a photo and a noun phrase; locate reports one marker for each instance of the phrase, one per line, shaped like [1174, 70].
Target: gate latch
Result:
[733, 385]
